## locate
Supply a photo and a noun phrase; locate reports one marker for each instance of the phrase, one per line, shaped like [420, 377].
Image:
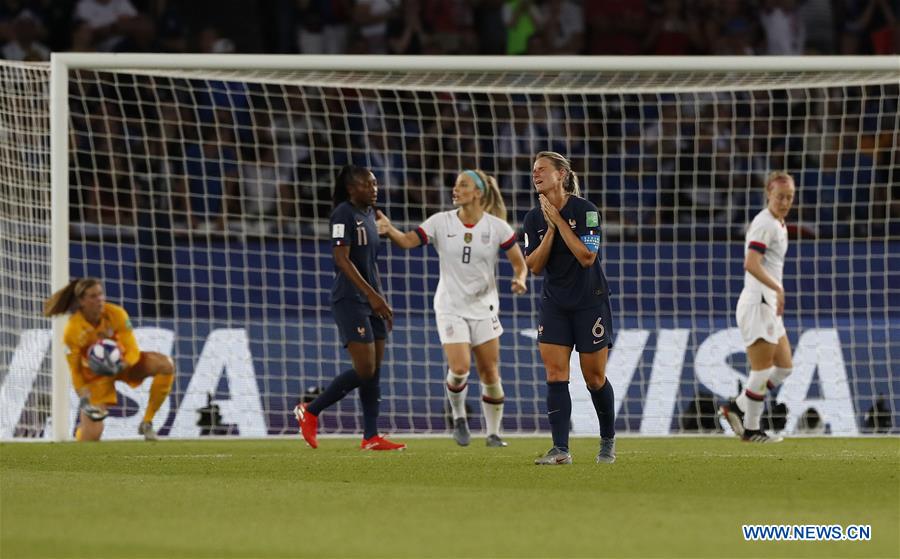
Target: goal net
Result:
[199, 190]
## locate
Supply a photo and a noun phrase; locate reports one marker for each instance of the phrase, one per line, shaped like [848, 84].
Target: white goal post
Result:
[670, 148]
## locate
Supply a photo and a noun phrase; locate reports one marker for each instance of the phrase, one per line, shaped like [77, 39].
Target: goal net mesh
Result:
[201, 199]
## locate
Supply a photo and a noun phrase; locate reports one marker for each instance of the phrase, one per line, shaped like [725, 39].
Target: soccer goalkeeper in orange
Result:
[94, 319]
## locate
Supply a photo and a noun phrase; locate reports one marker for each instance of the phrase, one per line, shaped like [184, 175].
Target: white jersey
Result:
[768, 236]
[468, 262]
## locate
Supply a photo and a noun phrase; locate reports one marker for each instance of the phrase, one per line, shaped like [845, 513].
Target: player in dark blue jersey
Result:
[562, 238]
[358, 305]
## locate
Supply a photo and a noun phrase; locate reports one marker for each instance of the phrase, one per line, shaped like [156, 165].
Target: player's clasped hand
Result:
[551, 214]
[93, 412]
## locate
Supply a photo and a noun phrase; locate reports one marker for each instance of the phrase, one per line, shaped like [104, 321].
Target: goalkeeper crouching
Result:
[93, 320]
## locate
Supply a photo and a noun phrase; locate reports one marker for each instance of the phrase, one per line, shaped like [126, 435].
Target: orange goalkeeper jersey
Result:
[81, 335]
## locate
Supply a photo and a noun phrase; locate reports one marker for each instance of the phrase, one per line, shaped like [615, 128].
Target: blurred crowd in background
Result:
[30, 29]
[227, 156]
[219, 156]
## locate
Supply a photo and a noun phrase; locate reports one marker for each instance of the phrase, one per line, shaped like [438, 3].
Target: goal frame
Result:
[62, 63]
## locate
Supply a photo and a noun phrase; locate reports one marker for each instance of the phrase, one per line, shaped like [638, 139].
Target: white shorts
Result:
[454, 329]
[757, 319]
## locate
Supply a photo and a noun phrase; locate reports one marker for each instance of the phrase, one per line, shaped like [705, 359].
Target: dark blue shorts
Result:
[356, 323]
[588, 330]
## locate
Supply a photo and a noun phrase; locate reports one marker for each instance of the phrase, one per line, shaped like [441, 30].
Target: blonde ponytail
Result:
[492, 200]
[66, 299]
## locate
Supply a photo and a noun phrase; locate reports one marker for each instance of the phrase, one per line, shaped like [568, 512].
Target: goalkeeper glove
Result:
[105, 369]
[93, 412]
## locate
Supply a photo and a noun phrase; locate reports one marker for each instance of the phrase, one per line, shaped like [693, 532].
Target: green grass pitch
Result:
[671, 497]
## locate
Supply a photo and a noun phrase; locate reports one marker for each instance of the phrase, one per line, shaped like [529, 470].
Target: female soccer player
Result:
[562, 237]
[466, 301]
[760, 309]
[94, 319]
[362, 315]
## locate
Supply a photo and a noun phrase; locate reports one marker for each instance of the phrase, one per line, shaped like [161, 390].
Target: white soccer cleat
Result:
[554, 457]
[146, 429]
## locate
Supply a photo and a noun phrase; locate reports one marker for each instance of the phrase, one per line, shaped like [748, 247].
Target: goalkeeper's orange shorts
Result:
[103, 389]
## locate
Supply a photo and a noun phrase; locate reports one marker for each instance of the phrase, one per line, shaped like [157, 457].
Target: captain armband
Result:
[592, 242]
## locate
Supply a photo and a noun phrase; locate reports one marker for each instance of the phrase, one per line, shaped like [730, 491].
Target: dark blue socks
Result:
[339, 387]
[559, 412]
[604, 401]
[370, 398]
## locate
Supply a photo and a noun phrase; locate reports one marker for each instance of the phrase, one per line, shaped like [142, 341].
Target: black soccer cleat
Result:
[759, 436]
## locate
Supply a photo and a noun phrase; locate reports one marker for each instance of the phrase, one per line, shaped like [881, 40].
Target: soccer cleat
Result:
[759, 436]
[309, 425]
[495, 441]
[554, 457]
[461, 433]
[380, 443]
[607, 454]
[734, 416]
[146, 429]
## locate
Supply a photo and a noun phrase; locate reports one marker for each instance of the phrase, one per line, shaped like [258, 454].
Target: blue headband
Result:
[478, 182]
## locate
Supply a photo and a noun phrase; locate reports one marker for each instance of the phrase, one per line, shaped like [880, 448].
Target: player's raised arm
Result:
[585, 256]
[539, 236]
[407, 240]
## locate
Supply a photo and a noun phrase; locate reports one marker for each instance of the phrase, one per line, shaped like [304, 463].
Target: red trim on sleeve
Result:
[422, 236]
[757, 246]
[509, 242]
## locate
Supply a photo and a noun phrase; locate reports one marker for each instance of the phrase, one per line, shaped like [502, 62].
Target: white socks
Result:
[492, 407]
[754, 397]
[457, 388]
[778, 376]
[491, 400]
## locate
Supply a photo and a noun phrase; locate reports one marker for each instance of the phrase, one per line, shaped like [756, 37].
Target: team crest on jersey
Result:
[572, 223]
[361, 330]
[467, 237]
[486, 237]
